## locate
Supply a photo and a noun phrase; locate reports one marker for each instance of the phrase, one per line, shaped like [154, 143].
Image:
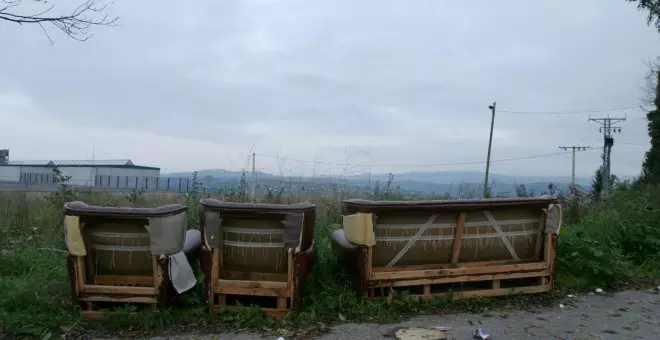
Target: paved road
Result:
[624, 315]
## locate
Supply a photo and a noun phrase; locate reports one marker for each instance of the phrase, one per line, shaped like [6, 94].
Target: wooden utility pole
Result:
[490, 142]
[574, 148]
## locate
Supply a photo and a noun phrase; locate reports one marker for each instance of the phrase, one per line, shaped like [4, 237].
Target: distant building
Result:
[4, 156]
[98, 173]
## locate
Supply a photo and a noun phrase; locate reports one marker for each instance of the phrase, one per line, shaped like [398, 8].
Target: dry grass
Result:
[35, 295]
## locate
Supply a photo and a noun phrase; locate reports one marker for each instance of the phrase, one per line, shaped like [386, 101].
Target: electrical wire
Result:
[632, 144]
[574, 112]
[422, 165]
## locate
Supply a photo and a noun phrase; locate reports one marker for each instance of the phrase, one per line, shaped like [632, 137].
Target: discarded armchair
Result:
[256, 251]
[468, 248]
[128, 255]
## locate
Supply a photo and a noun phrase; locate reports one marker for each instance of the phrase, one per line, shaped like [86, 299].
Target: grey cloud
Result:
[394, 82]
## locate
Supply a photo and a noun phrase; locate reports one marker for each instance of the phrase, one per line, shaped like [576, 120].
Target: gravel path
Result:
[624, 315]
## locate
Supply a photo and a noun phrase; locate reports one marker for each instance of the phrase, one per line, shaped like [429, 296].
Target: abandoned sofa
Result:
[483, 247]
[256, 253]
[128, 255]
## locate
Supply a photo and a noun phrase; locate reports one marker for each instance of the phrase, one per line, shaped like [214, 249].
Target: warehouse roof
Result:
[98, 163]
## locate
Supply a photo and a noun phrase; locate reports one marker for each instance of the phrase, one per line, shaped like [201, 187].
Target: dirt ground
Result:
[623, 315]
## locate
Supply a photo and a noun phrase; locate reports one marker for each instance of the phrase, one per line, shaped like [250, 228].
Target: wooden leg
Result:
[281, 303]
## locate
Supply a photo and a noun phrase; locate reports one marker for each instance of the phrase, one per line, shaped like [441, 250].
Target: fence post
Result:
[168, 183]
[146, 183]
[157, 184]
[187, 184]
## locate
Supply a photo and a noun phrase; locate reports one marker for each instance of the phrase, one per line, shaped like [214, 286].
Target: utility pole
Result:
[490, 142]
[607, 128]
[574, 148]
[254, 178]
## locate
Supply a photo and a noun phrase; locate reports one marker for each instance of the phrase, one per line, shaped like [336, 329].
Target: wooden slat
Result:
[96, 289]
[139, 280]
[539, 236]
[255, 288]
[495, 225]
[447, 265]
[487, 292]
[422, 229]
[427, 291]
[215, 271]
[82, 273]
[368, 265]
[547, 254]
[466, 278]
[289, 279]
[253, 284]
[159, 276]
[410, 274]
[137, 299]
[247, 276]
[458, 238]
[281, 302]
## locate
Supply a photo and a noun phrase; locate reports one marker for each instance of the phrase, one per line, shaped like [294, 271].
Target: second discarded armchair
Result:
[256, 250]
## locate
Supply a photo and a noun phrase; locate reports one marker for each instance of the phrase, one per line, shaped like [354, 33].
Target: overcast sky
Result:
[190, 85]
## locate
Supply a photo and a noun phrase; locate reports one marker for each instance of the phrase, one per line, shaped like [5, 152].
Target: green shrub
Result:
[613, 241]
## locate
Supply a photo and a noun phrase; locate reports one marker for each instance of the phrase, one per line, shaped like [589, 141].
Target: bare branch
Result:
[76, 25]
[651, 81]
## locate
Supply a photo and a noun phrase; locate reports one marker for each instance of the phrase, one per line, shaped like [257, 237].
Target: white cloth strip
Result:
[451, 237]
[497, 228]
[118, 234]
[181, 273]
[254, 244]
[120, 248]
[453, 225]
[407, 247]
[265, 231]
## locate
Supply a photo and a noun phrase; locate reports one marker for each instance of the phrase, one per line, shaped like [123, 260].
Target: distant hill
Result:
[452, 183]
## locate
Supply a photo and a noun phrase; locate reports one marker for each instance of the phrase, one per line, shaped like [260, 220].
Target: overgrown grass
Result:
[613, 243]
[616, 242]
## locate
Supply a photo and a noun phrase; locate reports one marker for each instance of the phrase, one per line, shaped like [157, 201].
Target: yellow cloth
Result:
[74, 240]
[359, 229]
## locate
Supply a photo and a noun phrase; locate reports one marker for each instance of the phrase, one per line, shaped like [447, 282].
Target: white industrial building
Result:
[96, 173]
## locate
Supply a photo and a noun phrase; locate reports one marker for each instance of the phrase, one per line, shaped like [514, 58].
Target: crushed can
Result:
[481, 334]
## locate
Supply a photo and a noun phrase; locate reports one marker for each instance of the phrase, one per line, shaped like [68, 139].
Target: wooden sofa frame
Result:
[89, 290]
[221, 282]
[374, 281]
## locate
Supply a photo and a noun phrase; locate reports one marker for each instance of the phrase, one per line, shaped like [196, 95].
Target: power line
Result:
[421, 165]
[574, 112]
[633, 144]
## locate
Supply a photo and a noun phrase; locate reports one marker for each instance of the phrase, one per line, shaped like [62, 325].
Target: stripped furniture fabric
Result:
[380, 237]
[269, 245]
[122, 251]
